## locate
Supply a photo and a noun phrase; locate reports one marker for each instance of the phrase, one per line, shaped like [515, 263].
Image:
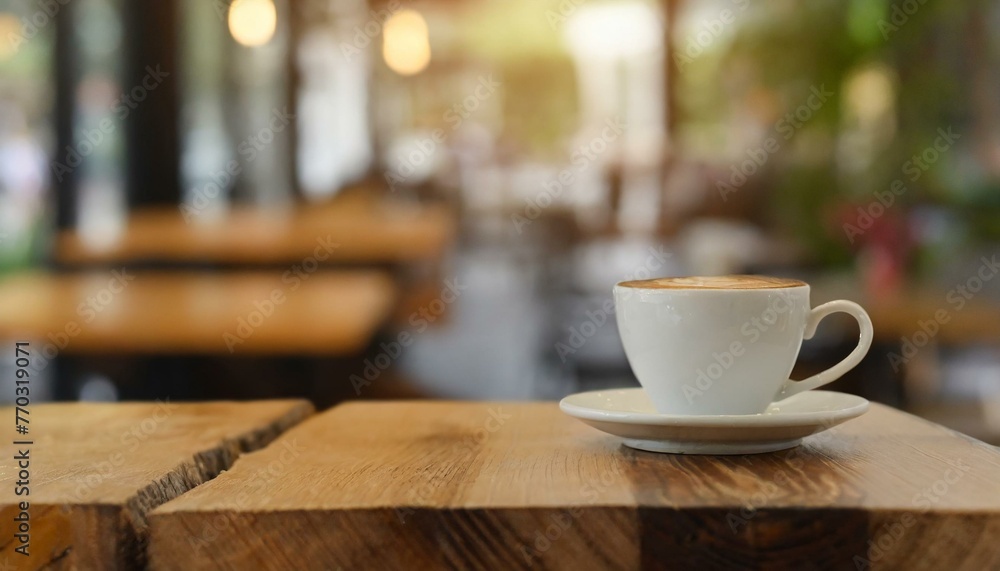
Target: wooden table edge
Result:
[203, 466]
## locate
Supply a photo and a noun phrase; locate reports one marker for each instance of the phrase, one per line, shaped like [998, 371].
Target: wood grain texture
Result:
[365, 229]
[98, 469]
[507, 486]
[327, 312]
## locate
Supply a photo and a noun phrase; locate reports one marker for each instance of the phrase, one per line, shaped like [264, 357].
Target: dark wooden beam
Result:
[152, 129]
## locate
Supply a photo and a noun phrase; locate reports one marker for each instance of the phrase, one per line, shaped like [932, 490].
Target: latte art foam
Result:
[714, 282]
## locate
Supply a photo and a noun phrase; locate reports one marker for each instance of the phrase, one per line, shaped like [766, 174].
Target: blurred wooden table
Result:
[365, 230]
[95, 471]
[978, 320]
[116, 311]
[411, 485]
[899, 316]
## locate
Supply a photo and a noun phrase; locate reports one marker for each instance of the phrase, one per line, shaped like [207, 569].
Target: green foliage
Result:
[777, 50]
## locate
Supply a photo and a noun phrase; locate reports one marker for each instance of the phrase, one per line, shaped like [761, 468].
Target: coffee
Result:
[724, 344]
[714, 282]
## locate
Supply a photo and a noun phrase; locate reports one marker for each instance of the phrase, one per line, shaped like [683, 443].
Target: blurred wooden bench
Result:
[898, 316]
[365, 229]
[121, 311]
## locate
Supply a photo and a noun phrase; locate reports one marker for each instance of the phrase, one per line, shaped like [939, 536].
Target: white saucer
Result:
[628, 413]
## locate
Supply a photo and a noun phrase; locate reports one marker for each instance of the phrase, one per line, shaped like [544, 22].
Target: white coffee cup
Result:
[724, 344]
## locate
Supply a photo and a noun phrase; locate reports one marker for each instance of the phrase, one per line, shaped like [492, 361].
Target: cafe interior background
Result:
[203, 199]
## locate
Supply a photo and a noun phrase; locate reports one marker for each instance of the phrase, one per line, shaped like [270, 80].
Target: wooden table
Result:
[95, 471]
[367, 230]
[899, 316]
[415, 485]
[115, 311]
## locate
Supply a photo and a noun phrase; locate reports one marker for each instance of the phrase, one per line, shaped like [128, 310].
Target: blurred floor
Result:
[491, 345]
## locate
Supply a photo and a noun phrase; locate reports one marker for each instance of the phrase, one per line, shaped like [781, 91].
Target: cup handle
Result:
[835, 372]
